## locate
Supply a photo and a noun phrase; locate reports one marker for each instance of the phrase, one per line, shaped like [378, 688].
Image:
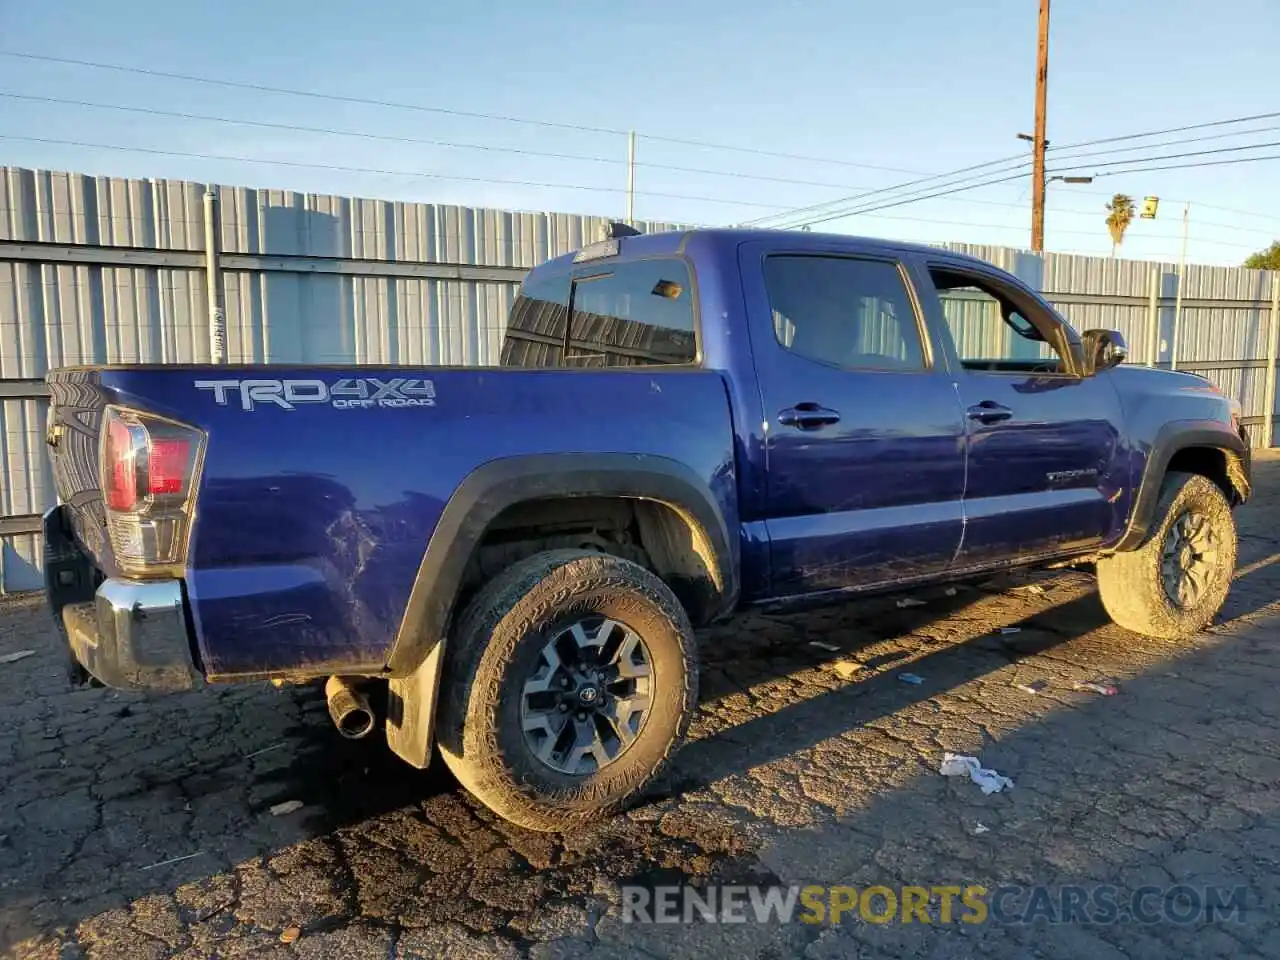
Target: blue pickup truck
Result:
[507, 563]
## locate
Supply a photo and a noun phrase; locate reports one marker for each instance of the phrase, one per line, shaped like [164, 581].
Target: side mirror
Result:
[1103, 349]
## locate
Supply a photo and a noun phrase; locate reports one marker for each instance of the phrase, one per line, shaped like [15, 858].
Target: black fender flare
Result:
[500, 484]
[1172, 437]
[416, 661]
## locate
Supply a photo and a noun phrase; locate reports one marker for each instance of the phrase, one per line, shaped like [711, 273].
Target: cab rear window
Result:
[628, 314]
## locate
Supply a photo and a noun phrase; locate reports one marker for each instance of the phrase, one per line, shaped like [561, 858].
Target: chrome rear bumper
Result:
[132, 634]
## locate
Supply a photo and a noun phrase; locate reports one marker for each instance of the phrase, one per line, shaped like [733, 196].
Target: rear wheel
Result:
[1173, 585]
[568, 684]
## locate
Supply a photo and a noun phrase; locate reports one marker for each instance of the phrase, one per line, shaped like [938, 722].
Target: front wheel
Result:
[1173, 585]
[569, 682]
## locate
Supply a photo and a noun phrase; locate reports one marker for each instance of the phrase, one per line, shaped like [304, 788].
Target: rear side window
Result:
[539, 323]
[844, 312]
[637, 314]
[625, 315]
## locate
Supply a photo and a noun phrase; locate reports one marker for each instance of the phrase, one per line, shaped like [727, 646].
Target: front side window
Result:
[990, 332]
[844, 312]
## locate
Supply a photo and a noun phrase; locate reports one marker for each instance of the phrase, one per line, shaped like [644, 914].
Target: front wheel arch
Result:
[1208, 449]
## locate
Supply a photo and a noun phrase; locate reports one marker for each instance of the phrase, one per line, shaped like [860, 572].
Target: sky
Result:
[860, 96]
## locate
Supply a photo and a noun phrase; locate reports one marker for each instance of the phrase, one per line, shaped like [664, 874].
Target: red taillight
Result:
[167, 470]
[119, 460]
[150, 469]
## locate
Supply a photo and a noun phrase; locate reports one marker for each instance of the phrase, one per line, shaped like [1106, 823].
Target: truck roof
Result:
[674, 241]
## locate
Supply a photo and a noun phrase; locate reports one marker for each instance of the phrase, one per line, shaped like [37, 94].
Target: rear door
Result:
[1043, 441]
[864, 436]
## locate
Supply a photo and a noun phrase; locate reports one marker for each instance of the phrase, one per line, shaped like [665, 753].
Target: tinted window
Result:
[629, 314]
[986, 328]
[633, 314]
[539, 323]
[848, 313]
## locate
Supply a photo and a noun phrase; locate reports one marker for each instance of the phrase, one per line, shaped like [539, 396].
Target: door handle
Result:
[808, 416]
[988, 411]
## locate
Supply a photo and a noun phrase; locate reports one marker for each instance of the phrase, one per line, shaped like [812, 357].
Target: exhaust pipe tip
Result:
[348, 708]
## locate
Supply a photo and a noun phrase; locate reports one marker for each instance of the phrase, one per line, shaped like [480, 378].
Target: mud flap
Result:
[411, 709]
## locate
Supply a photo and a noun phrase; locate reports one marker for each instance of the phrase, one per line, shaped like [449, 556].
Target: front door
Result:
[864, 435]
[1045, 472]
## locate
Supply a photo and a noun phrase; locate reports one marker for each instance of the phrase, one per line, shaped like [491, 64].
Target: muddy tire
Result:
[1173, 585]
[569, 682]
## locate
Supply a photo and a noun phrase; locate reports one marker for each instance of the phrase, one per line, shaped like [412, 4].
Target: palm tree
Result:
[1118, 220]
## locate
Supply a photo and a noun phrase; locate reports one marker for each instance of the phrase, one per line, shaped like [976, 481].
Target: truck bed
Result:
[321, 486]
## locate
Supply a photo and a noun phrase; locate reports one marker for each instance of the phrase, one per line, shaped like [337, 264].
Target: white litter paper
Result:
[955, 765]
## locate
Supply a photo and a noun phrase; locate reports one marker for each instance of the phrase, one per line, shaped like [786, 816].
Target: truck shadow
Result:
[172, 802]
[1113, 790]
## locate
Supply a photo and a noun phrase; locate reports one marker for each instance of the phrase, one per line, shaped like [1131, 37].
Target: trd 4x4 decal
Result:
[349, 393]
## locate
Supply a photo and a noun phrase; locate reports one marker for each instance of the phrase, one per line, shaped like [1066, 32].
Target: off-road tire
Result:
[494, 647]
[1131, 583]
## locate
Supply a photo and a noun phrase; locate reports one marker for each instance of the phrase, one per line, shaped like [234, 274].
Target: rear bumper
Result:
[129, 634]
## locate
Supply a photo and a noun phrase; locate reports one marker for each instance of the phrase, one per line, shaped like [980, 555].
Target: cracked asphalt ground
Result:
[133, 827]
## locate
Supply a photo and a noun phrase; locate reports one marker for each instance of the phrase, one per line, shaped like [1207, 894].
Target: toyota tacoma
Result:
[507, 564]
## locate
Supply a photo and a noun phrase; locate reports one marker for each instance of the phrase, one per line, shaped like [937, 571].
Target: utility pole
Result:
[1182, 278]
[213, 279]
[1039, 142]
[631, 179]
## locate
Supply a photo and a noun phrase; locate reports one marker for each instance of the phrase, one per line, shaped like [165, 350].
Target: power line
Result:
[1175, 156]
[419, 141]
[771, 153]
[335, 131]
[394, 138]
[1005, 226]
[973, 186]
[373, 170]
[1188, 166]
[1024, 162]
[1182, 129]
[1020, 167]
[408, 173]
[1242, 213]
[1162, 143]
[1232, 226]
[257, 87]
[889, 189]
[839, 215]
[424, 108]
[288, 91]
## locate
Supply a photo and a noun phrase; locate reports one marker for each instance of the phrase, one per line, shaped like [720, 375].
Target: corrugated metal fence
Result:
[101, 270]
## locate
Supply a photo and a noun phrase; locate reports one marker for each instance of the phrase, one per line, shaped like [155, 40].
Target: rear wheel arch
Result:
[681, 525]
[682, 528]
[664, 537]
